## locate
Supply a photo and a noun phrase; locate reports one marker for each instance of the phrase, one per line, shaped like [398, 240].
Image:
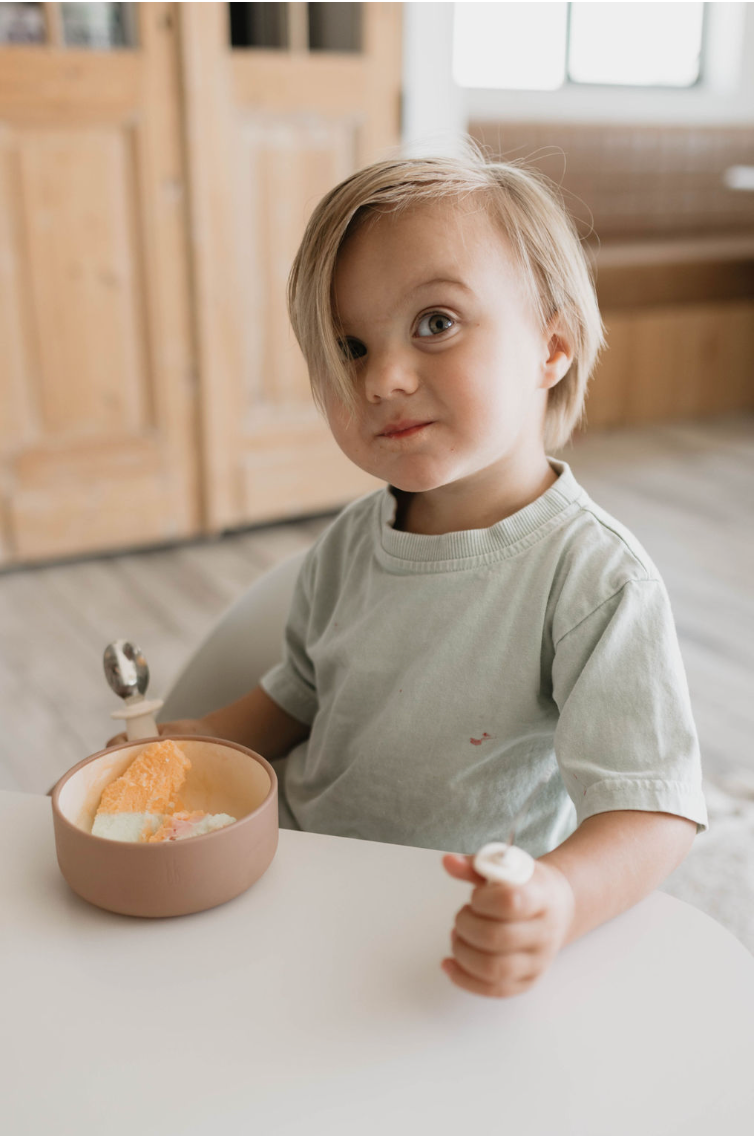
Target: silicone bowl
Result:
[172, 877]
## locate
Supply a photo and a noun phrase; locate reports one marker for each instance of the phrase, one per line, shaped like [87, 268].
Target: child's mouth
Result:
[400, 431]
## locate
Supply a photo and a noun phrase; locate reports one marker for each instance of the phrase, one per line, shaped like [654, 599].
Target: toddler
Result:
[478, 626]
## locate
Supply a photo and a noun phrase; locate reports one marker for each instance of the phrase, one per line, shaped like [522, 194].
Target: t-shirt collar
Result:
[478, 542]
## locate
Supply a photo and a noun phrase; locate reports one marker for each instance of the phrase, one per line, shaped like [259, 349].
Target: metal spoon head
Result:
[126, 669]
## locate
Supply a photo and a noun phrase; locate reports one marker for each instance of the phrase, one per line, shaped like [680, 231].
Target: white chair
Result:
[245, 642]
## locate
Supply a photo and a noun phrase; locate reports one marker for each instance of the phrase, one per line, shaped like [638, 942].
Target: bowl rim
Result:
[60, 816]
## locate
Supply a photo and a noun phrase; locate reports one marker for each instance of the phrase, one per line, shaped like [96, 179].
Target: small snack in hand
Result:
[504, 864]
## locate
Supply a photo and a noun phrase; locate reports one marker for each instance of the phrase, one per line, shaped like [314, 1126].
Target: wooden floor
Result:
[686, 490]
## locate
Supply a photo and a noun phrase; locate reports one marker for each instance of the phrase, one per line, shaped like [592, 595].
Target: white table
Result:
[314, 1003]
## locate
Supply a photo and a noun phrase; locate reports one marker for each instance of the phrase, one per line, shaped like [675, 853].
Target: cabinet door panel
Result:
[97, 387]
[76, 194]
[284, 166]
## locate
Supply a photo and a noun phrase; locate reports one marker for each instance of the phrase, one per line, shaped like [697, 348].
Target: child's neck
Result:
[476, 503]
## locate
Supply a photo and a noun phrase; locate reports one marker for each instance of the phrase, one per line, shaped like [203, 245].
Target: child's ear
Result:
[560, 352]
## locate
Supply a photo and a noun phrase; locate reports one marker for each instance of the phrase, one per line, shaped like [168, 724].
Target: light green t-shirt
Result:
[443, 676]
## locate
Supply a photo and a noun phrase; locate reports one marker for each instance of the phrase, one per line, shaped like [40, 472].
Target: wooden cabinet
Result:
[679, 361]
[679, 318]
[152, 197]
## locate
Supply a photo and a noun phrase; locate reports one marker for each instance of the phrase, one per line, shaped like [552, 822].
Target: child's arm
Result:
[259, 723]
[614, 859]
[506, 937]
[254, 721]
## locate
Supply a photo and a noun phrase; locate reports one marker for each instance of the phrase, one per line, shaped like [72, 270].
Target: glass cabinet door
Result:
[297, 27]
[22, 24]
[334, 27]
[99, 27]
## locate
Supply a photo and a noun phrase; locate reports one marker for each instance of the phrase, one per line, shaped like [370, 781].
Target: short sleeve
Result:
[626, 738]
[291, 682]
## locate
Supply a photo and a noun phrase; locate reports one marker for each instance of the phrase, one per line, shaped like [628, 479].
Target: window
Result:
[22, 23]
[300, 27]
[98, 27]
[545, 47]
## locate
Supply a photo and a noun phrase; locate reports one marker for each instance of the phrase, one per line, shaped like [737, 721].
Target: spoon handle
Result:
[140, 718]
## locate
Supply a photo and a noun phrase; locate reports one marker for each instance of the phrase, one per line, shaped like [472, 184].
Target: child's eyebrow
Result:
[439, 280]
[411, 292]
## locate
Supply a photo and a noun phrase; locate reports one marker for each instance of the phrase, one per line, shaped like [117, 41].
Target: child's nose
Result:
[388, 375]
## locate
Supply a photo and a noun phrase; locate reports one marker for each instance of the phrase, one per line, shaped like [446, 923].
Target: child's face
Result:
[452, 380]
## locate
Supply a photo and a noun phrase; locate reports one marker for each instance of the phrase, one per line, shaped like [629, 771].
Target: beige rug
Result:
[717, 876]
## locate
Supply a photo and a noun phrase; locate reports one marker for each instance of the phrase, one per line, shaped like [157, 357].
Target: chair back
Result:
[245, 642]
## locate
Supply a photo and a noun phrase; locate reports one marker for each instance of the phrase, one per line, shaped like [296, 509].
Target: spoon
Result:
[126, 669]
[127, 674]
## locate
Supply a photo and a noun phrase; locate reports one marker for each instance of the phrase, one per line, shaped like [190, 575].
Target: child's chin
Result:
[409, 480]
[417, 485]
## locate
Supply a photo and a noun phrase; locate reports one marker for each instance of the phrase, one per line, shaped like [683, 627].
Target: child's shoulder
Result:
[355, 518]
[597, 536]
[353, 526]
[598, 557]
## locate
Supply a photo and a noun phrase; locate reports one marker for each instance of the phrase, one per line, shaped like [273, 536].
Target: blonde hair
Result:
[522, 201]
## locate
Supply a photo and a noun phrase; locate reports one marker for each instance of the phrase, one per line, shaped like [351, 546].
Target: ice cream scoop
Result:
[127, 673]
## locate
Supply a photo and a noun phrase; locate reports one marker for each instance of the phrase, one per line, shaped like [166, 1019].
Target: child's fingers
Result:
[497, 936]
[474, 985]
[460, 868]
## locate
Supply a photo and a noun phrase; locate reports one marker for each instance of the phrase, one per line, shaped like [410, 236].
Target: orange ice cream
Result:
[140, 805]
[150, 782]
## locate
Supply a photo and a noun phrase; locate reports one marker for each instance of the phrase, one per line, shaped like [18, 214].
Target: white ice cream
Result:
[125, 826]
[129, 827]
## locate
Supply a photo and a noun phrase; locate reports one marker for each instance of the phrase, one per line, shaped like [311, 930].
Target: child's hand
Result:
[508, 935]
[185, 726]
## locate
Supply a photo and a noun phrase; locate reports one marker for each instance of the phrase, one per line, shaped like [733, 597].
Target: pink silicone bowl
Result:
[172, 877]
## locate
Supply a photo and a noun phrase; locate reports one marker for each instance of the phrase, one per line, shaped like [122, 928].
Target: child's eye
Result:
[351, 348]
[436, 322]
